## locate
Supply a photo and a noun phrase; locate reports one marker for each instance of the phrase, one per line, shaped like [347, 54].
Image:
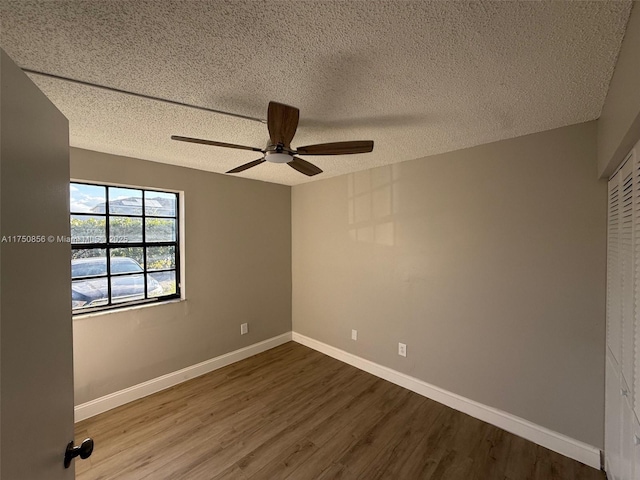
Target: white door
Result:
[36, 364]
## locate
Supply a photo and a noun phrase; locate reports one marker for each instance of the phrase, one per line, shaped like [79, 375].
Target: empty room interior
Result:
[321, 240]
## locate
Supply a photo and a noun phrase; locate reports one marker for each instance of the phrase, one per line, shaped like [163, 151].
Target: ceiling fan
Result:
[282, 121]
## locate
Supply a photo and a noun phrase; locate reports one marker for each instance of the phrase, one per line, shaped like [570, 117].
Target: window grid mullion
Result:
[144, 247]
[176, 249]
[108, 241]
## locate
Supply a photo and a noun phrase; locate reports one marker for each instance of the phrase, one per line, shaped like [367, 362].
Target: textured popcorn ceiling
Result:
[418, 78]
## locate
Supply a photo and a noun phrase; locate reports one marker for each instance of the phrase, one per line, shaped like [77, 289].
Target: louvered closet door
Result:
[613, 405]
[622, 389]
[613, 422]
[628, 199]
[614, 280]
[631, 344]
[631, 330]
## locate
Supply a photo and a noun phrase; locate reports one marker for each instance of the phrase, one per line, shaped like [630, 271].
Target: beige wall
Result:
[619, 124]
[489, 263]
[237, 267]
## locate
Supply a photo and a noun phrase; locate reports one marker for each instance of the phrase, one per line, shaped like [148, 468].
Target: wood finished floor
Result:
[293, 413]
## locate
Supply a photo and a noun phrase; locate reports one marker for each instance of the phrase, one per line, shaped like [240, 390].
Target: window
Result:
[125, 246]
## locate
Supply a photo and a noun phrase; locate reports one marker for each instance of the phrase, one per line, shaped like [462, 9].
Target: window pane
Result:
[162, 283]
[125, 229]
[127, 260]
[133, 273]
[127, 288]
[89, 293]
[88, 263]
[161, 258]
[88, 229]
[160, 204]
[125, 201]
[87, 198]
[160, 230]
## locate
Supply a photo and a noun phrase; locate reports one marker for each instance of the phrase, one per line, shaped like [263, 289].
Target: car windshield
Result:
[98, 266]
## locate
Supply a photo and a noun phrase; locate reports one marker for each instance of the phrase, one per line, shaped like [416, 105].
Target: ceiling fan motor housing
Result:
[277, 154]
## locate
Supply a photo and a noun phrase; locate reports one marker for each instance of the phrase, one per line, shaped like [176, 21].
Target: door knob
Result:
[84, 450]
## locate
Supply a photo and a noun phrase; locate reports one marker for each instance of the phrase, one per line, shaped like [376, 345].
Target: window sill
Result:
[82, 316]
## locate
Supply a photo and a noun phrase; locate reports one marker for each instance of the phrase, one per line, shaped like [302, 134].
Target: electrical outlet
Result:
[354, 334]
[402, 349]
[244, 328]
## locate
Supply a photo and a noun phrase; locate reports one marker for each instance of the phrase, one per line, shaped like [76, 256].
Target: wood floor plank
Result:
[520, 454]
[370, 446]
[283, 463]
[491, 459]
[293, 413]
[354, 421]
[399, 452]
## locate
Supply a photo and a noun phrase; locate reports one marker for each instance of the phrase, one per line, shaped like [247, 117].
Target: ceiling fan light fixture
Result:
[276, 157]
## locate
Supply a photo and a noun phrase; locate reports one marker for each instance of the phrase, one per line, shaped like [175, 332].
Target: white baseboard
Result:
[116, 399]
[569, 447]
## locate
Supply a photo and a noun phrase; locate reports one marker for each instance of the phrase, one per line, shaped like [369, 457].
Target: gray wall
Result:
[237, 267]
[489, 263]
[619, 124]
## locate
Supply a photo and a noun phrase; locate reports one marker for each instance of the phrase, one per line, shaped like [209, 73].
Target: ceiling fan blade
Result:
[309, 169]
[337, 148]
[246, 166]
[282, 121]
[215, 144]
